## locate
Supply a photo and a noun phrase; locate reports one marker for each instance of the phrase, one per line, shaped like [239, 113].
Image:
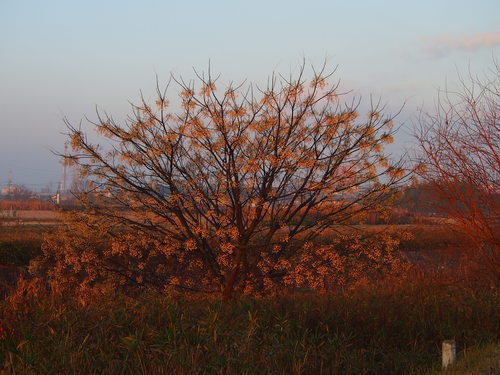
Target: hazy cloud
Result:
[438, 46]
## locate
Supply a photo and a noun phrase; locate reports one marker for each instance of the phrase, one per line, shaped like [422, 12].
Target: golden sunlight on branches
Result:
[460, 149]
[223, 180]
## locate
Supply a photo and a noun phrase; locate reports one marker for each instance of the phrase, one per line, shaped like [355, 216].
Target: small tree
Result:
[238, 180]
[460, 146]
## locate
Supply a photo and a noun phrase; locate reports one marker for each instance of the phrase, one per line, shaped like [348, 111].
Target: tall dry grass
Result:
[394, 329]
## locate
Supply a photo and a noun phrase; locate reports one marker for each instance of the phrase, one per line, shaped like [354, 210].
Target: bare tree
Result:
[460, 147]
[240, 179]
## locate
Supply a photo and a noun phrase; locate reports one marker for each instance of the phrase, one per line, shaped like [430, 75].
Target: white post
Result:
[449, 352]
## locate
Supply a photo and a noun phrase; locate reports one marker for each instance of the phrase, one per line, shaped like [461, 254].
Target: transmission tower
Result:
[9, 184]
[64, 171]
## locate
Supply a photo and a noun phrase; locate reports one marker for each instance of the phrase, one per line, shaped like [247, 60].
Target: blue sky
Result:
[61, 58]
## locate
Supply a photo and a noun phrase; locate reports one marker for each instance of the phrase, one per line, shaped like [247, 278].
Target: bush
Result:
[18, 252]
[82, 254]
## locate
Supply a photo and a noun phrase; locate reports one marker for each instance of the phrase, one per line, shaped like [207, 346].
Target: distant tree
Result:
[420, 198]
[460, 147]
[236, 182]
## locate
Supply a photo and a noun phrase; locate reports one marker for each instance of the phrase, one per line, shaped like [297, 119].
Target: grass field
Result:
[484, 360]
[390, 330]
[20, 243]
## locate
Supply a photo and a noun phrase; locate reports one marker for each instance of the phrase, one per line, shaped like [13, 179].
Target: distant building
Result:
[15, 191]
[9, 190]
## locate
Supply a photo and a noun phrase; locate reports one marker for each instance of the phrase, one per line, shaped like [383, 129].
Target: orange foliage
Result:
[87, 254]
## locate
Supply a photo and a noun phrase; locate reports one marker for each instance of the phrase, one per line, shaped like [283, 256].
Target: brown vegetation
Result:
[384, 329]
[26, 204]
[460, 151]
[83, 254]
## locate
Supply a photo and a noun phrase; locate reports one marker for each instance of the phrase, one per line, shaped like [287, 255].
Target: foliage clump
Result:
[82, 254]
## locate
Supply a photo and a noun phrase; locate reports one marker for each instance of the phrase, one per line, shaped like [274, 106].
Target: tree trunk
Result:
[230, 281]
